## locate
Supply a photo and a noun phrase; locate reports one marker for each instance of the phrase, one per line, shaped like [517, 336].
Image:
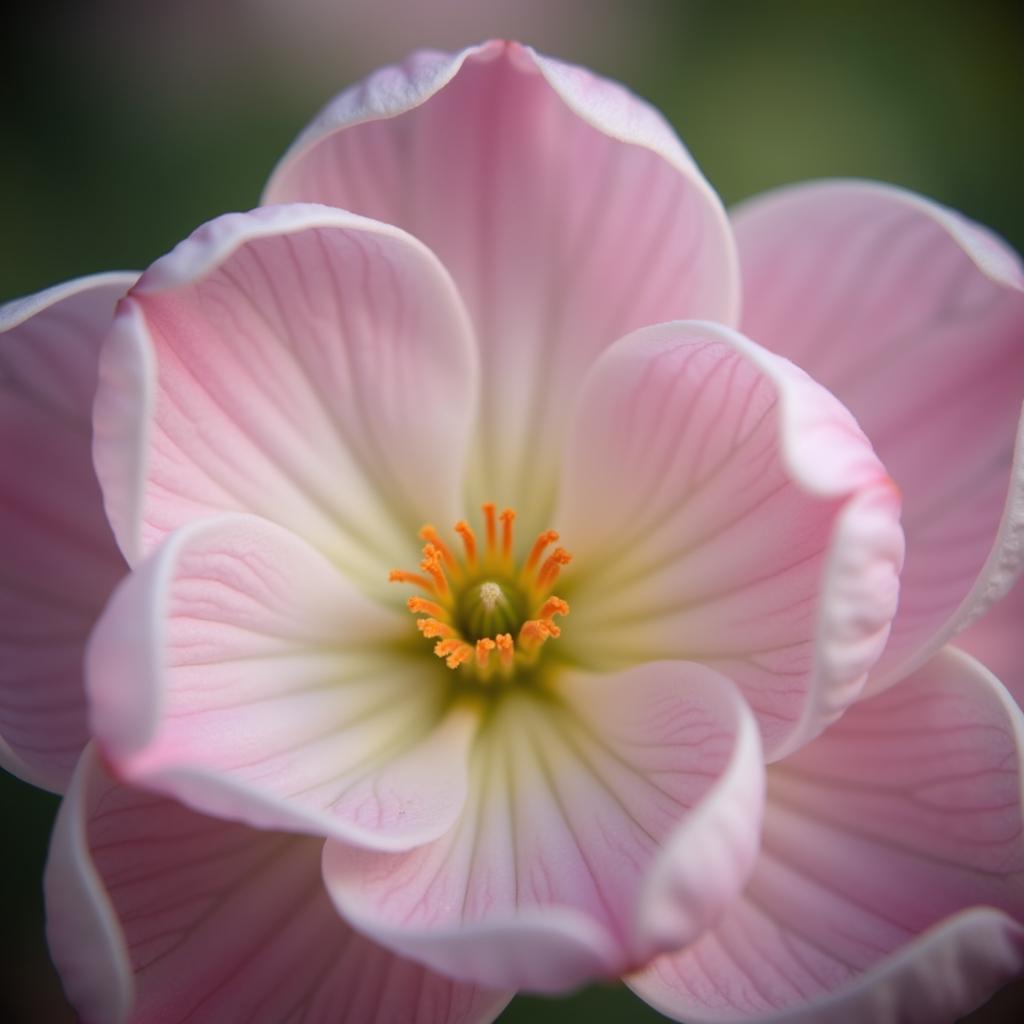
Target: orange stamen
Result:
[483, 652]
[428, 532]
[454, 651]
[552, 606]
[462, 528]
[431, 628]
[488, 510]
[400, 576]
[552, 565]
[431, 565]
[506, 650]
[507, 518]
[419, 605]
[454, 582]
[533, 633]
[546, 538]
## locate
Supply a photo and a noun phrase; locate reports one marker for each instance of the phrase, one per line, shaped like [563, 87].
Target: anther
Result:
[400, 576]
[483, 652]
[552, 606]
[506, 650]
[431, 628]
[552, 565]
[431, 565]
[428, 533]
[462, 528]
[546, 538]
[507, 518]
[418, 605]
[488, 510]
[454, 651]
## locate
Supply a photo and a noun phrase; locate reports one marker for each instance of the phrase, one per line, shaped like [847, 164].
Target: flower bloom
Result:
[369, 740]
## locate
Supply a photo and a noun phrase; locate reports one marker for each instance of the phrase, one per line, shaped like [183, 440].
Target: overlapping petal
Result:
[914, 318]
[297, 362]
[157, 914]
[887, 844]
[566, 209]
[240, 672]
[58, 559]
[997, 641]
[606, 821]
[725, 509]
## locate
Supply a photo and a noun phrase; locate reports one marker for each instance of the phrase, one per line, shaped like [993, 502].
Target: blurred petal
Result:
[157, 915]
[914, 318]
[566, 209]
[997, 641]
[239, 672]
[301, 363]
[58, 560]
[880, 838]
[607, 821]
[723, 508]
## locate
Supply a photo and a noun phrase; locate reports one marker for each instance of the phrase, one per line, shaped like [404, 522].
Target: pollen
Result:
[488, 615]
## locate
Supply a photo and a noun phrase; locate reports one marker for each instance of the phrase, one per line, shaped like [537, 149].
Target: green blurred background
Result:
[125, 124]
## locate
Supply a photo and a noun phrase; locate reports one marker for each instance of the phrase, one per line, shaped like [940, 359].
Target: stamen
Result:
[468, 599]
[483, 652]
[454, 651]
[420, 604]
[428, 532]
[507, 518]
[552, 606]
[400, 576]
[506, 651]
[431, 565]
[552, 565]
[462, 528]
[488, 510]
[431, 628]
[546, 538]
[533, 633]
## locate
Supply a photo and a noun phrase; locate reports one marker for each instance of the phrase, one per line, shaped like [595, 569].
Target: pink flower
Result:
[573, 787]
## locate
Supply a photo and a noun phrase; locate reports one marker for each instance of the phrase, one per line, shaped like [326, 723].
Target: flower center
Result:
[489, 615]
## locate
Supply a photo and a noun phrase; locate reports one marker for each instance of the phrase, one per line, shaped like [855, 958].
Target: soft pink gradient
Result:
[567, 212]
[278, 759]
[889, 844]
[58, 560]
[158, 913]
[914, 318]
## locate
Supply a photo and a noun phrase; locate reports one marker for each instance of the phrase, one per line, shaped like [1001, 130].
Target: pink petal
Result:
[159, 915]
[297, 362]
[883, 839]
[58, 560]
[725, 509]
[608, 820]
[238, 671]
[566, 209]
[997, 641]
[913, 317]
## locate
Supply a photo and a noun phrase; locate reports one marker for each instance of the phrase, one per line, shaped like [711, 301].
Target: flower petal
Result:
[607, 821]
[298, 362]
[882, 839]
[995, 640]
[238, 671]
[566, 209]
[913, 317]
[734, 516]
[58, 560]
[157, 914]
